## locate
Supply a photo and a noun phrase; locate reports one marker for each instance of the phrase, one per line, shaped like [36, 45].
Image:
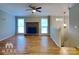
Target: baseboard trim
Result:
[55, 42]
[6, 37]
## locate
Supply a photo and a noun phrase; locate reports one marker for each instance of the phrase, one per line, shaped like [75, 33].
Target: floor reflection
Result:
[21, 44]
[44, 43]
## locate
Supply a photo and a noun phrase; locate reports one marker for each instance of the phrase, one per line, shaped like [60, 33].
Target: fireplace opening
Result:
[32, 28]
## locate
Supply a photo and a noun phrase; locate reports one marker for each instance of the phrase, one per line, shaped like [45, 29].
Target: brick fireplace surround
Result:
[32, 25]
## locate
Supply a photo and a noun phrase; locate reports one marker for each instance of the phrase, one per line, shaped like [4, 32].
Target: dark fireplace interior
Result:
[32, 28]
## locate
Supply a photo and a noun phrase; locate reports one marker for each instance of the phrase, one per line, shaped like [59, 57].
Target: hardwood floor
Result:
[34, 45]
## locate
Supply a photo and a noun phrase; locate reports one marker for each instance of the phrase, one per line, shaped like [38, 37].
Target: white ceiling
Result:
[19, 9]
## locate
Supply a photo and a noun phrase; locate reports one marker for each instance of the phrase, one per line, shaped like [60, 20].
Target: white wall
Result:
[32, 19]
[57, 30]
[73, 39]
[54, 31]
[7, 25]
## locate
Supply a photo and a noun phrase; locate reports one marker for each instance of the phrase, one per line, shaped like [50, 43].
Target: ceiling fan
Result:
[34, 8]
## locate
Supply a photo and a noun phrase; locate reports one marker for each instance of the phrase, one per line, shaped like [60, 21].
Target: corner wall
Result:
[73, 26]
[54, 31]
[7, 25]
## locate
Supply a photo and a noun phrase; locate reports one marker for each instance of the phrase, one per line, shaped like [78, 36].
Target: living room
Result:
[35, 28]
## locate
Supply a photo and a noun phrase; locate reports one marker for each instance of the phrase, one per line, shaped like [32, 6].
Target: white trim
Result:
[55, 42]
[6, 37]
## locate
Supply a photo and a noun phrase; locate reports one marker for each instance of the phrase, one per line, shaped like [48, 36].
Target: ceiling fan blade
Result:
[39, 8]
[32, 7]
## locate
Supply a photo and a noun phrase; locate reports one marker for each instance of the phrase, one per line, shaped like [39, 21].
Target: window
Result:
[44, 25]
[21, 25]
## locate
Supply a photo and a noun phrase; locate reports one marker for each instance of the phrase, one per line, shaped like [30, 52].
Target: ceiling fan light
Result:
[33, 11]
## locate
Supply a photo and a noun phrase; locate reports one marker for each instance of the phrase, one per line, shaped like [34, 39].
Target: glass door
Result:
[44, 26]
[20, 23]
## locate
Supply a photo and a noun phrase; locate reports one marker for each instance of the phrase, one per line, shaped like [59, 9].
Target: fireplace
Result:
[32, 28]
